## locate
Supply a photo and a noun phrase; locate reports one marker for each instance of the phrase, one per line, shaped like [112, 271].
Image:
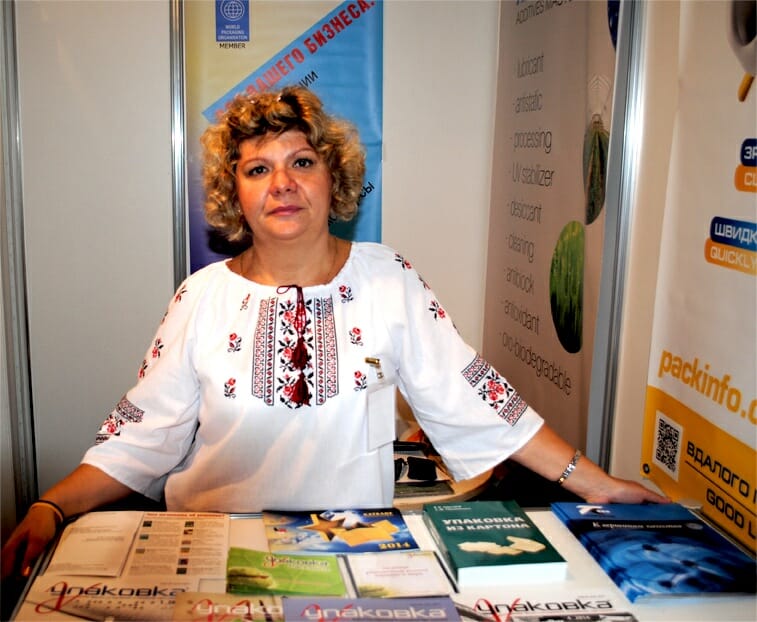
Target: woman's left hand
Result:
[547, 454]
[616, 490]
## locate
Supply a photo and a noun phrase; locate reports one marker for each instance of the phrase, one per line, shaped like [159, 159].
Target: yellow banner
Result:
[692, 459]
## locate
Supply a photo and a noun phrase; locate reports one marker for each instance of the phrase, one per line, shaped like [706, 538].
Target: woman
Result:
[261, 388]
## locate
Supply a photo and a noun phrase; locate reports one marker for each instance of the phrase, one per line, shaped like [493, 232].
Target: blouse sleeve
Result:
[473, 416]
[152, 427]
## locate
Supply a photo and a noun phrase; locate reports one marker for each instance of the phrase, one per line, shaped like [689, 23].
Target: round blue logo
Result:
[232, 10]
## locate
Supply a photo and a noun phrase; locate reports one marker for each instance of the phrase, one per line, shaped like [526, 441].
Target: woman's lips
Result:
[285, 210]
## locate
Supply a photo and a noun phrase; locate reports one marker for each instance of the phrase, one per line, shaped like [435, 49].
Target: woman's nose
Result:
[282, 181]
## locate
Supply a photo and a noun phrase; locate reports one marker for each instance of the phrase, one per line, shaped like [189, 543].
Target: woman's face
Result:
[284, 187]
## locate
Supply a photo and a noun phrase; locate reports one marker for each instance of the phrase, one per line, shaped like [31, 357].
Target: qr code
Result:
[667, 445]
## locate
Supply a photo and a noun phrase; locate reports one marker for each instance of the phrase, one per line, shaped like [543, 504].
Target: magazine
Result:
[77, 597]
[541, 604]
[370, 609]
[212, 607]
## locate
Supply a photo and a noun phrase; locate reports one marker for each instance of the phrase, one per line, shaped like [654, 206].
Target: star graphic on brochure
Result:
[324, 527]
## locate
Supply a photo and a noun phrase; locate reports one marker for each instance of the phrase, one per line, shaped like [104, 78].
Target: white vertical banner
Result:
[701, 412]
[554, 104]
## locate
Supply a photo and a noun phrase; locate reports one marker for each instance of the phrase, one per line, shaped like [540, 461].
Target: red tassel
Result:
[300, 357]
[301, 392]
[300, 354]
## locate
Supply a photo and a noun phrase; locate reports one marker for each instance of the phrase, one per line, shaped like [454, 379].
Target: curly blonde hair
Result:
[272, 113]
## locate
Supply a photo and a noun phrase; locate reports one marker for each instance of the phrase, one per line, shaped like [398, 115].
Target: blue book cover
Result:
[337, 531]
[363, 609]
[656, 550]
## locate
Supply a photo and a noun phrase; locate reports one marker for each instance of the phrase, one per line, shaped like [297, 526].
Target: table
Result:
[585, 578]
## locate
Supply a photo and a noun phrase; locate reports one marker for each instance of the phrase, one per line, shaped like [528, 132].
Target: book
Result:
[491, 543]
[400, 574]
[370, 609]
[337, 531]
[213, 607]
[657, 550]
[261, 572]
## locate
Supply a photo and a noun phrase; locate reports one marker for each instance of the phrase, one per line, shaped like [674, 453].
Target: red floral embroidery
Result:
[437, 310]
[356, 337]
[275, 343]
[406, 265]
[179, 294]
[345, 293]
[245, 302]
[494, 390]
[157, 347]
[235, 343]
[124, 412]
[287, 387]
[361, 381]
[229, 388]
[142, 369]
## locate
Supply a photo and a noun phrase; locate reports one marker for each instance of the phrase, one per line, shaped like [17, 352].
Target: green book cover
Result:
[492, 543]
[261, 572]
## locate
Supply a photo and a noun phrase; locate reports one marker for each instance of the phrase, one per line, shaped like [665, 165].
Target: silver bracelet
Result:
[571, 466]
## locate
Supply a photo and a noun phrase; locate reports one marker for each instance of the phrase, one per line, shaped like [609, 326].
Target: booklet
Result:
[261, 572]
[401, 574]
[113, 544]
[337, 531]
[95, 544]
[180, 543]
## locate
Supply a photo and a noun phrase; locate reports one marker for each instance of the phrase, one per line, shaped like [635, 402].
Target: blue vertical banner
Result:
[338, 56]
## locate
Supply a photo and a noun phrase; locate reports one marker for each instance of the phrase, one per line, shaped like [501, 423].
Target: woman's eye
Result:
[255, 170]
[303, 162]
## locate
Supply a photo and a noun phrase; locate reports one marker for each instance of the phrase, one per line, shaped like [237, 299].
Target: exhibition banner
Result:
[249, 46]
[701, 411]
[553, 114]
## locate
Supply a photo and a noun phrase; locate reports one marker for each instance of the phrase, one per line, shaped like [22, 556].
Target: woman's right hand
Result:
[28, 541]
[82, 490]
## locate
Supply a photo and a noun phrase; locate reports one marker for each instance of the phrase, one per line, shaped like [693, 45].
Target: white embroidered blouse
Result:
[212, 423]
